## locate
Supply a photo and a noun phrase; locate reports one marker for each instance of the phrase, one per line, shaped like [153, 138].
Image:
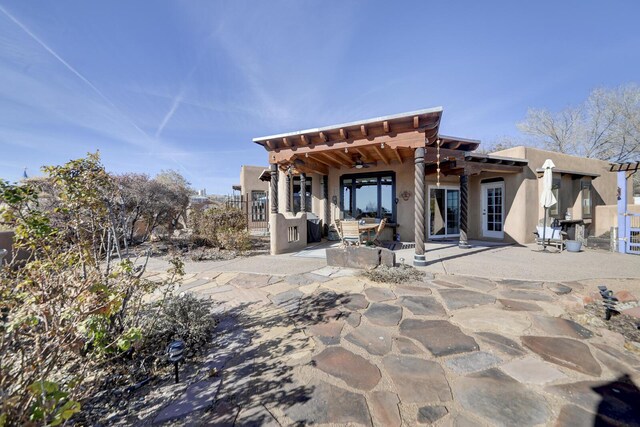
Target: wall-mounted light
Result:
[346, 150]
[382, 145]
[405, 195]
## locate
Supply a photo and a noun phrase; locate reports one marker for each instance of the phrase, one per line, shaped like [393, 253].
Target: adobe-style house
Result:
[427, 185]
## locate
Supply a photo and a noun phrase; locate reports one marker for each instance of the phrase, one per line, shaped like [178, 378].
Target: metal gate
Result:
[255, 206]
[633, 233]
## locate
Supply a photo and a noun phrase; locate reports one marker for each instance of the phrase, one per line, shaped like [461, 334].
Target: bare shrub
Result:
[220, 227]
[400, 274]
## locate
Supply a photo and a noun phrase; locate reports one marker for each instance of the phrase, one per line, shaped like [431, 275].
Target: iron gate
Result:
[633, 233]
[255, 206]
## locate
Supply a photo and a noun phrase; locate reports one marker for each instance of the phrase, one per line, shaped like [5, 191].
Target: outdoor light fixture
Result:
[359, 166]
[306, 155]
[346, 150]
[175, 355]
[382, 145]
[609, 302]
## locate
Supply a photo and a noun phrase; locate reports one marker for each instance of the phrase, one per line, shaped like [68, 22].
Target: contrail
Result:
[174, 106]
[73, 70]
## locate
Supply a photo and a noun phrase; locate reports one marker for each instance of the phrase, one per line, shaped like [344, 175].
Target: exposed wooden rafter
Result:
[344, 134]
[327, 160]
[305, 140]
[363, 130]
[385, 126]
[286, 142]
[379, 152]
[398, 156]
[363, 154]
[416, 122]
[323, 137]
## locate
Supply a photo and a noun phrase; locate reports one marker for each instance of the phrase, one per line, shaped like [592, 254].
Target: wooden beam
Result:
[363, 129]
[416, 122]
[363, 155]
[344, 134]
[323, 137]
[321, 158]
[454, 145]
[397, 154]
[286, 142]
[308, 165]
[336, 159]
[271, 145]
[411, 140]
[379, 152]
[343, 156]
[385, 126]
[305, 140]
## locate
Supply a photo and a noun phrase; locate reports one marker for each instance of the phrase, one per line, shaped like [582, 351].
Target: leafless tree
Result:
[606, 126]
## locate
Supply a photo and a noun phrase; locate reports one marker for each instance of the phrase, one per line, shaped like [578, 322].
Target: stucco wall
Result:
[604, 188]
[250, 179]
[280, 224]
[608, 217]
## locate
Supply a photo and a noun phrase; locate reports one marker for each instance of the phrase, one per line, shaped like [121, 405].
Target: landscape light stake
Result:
[175, 355]
[609, 301]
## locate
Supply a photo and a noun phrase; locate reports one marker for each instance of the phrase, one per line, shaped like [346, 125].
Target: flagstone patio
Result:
[331, 347]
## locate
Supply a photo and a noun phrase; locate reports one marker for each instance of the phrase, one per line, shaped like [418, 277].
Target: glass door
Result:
[493, 210]
[444, 212]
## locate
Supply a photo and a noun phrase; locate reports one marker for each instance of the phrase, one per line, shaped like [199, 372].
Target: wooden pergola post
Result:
[287, 188]
[274, 188]
[419, 258]
[303, 192]
[464, 205]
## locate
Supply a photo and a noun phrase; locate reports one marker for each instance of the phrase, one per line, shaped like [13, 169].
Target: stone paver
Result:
[375, 340]
[501, 343]
[328, 333]
[525, 295]
[417, 380]
[431, 414]
[478, 283]
[492, 319]
[558, 288]
[565, 352]
[379, 294]
[617, 399]
[383, 314]
[513, 305]
[575, 416]
[384, 409]
[446, 284]
[402, 290]
[520, 284]
[305, 279]
[406, 346]
[532, 371]
[472, 362]
[354, 301]
[501, 400]
[558, 326]
[460, 298]
[440, 337]
[288, 301]
[422, 305]
[330, 404]
[624, 356]
[250, 280]
[197, 396]
[354, 370]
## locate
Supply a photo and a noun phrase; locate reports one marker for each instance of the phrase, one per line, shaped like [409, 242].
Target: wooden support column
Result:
[303, 192]
[327, 205]
[274, 188]
[464, 206]
[287, 188]
[419, 231]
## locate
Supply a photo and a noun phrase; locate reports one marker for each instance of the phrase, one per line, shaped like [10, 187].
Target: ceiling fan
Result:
[359, 164]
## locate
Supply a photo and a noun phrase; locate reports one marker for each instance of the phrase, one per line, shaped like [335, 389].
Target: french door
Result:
[493, 210]
[444, 212]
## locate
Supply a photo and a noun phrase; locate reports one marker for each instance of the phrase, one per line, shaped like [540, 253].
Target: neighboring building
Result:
[374, 168]
[252, 195]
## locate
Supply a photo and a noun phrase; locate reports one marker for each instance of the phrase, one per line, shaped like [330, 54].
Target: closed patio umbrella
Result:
[547, 199]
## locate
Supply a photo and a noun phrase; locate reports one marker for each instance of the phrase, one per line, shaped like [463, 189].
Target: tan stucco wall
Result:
[608, 217]
[250, 179]
[604, 188]
[280, 224]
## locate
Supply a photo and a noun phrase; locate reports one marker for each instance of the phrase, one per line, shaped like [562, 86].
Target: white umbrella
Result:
[547, 199]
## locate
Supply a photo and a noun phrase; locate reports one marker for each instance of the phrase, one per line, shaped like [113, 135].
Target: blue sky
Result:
[186, 85]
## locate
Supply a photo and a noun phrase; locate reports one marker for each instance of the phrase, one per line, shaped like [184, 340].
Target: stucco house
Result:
[427, 185]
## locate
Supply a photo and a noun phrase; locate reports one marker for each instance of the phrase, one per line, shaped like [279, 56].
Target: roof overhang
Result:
[265, 175]
[575, 174]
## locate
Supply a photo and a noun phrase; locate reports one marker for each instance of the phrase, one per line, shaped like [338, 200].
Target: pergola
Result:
[403, 138]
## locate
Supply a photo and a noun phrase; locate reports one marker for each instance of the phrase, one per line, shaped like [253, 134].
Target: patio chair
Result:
[381, 226]
[351, 234]
[338, 225]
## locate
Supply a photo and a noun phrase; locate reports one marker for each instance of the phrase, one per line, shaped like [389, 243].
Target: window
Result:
[555, 189]
[296, 194]
[368, 195]
[586, 199]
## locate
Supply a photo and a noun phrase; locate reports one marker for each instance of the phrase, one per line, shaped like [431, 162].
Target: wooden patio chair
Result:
[338, 225]
[351, 234]
[381, 226]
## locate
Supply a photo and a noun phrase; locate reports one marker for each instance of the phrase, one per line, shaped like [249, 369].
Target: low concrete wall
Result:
[360, 257]
[607, 217]
[288, 232]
